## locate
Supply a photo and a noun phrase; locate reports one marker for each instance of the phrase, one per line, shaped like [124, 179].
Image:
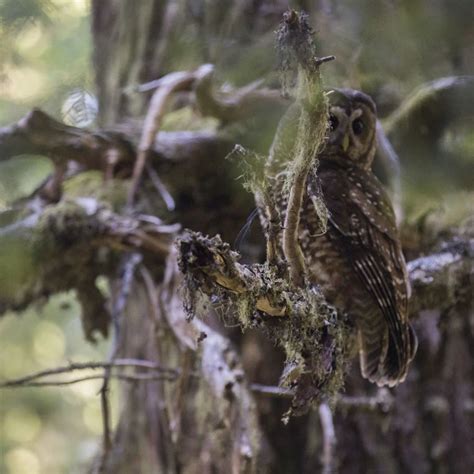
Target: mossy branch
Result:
[57, 248]
[296, 43]
[309, 330]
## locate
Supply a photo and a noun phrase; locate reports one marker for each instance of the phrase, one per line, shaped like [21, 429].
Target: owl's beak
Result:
[345, 143]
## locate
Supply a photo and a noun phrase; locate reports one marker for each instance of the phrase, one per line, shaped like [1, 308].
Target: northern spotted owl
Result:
[358, 261]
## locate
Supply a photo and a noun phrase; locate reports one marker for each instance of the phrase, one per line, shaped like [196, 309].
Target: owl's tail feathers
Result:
[385, 360]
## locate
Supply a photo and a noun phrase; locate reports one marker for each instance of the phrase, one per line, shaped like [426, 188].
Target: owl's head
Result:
[352, 120]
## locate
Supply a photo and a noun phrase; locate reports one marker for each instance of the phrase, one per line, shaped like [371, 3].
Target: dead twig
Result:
[272, 390]
[168, 86]
[246, 102]
[72, 367]
[154, 116]
[329, 438]
[160, 188]
[125, 377]
[382, 401]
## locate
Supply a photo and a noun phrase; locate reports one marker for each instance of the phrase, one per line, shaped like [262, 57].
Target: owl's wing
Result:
[363, 223]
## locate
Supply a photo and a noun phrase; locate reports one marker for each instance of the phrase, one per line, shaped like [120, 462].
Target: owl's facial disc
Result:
[350, 132]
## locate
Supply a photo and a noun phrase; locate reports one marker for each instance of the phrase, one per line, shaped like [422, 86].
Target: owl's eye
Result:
[358, 126]
[333, 122]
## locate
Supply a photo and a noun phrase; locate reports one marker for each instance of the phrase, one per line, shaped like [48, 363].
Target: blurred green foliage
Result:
[48, 429]
[44, 54]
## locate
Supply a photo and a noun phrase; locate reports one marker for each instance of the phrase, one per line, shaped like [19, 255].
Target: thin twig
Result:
[329, 437]
[118, 363]
[272, 390]
[125, 377]
[128, 269]
[382, 401]
[154, 116]
[153, 297]
[161, 188]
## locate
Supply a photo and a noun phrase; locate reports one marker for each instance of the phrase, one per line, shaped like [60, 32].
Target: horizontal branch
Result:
[125, 378]
[32, 379]
[58, 250]
[432, 107]
[40, 134]
[381, 401]
[444, 279]
[239, 104]
[215, 266]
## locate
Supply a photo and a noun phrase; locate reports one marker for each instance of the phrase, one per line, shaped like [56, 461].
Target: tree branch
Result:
[78, 366]
[443, 279]
[125, 378]
[329, 437]
[430, 108]
[156, 111]
[296, 41]
[58, 247]
[239, 104]
[106, 150]
[38, 133]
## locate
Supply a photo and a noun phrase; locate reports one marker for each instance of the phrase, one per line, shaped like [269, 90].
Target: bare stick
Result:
[125, 377]
[154, 116]
[382, 401]
[272, 390]
[329, 436]
[118, 363]
[161, 188]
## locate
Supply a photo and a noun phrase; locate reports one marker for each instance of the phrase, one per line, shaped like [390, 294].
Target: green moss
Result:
[92, 184]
